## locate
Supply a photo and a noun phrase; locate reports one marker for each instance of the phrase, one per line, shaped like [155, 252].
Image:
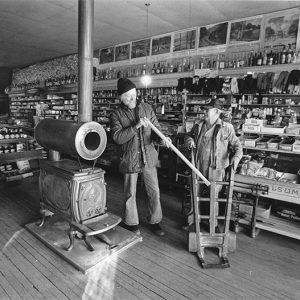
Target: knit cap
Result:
[124, 85]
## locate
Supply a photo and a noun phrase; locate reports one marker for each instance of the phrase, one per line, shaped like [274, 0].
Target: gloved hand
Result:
[190, 143]
[235, 162]
[142, 122]
[165, 143]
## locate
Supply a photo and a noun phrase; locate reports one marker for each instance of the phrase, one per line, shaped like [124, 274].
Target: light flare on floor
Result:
[101, 281]
[14, 236]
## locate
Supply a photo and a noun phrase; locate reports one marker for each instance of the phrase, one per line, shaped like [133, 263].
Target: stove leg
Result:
[42, 221]
[88, 244]
[71, 235]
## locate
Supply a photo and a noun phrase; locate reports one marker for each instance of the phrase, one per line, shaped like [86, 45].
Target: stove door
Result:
[91, 201]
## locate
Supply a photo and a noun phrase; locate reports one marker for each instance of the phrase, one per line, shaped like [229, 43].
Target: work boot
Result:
[156, 229]
[133, 228]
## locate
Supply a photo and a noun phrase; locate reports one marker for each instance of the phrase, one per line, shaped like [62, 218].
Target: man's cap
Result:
[214, 103]
[124, 85]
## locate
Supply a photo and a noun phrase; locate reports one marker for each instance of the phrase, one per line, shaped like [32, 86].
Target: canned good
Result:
[8, 167]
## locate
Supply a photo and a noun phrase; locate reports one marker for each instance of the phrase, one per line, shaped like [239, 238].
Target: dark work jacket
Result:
[136, 145]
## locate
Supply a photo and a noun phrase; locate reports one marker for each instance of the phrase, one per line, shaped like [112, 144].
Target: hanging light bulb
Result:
[146, 78]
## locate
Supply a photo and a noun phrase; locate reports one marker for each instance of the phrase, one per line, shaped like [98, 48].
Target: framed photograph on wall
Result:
[282, 28]
[161, 45]
[213, 35]
[245, 31]
[184, 40]
[122, 52]
[107, 55]
[140, 48]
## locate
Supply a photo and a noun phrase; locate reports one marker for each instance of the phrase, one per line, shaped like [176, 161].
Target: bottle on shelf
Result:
[289, 55]
[270, 58]
[222, 62]
[278, 117]
[236, 62]
[162, 68]
[283, 55]
[201, 63]
[243, 60]
[171, 68]
[294, 57]
[254, 62]
[153, 71]
[293, 118]
[158, 68]
[275, 57]
[251, 59]
[265, 58]
[259, 59]
[191, 64]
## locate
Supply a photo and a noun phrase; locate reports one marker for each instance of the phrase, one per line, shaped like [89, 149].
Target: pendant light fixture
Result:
[146, 78]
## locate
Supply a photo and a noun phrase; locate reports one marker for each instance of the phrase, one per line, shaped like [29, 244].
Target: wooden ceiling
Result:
[36, 30]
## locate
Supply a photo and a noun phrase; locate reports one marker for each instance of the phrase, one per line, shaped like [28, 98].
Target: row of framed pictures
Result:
[280, 27]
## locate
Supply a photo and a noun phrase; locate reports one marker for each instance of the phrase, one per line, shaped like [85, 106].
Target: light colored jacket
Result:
[225, 144]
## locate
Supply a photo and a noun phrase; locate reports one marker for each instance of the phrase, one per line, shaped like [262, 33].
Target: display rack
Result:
[15, 150]
[277, 190]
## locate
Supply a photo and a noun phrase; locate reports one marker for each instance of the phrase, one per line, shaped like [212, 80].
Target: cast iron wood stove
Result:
[75, 191]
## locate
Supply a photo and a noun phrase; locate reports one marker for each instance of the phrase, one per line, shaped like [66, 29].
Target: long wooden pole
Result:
[161, 135]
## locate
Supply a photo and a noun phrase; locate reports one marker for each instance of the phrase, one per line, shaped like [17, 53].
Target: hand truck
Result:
[198, 239]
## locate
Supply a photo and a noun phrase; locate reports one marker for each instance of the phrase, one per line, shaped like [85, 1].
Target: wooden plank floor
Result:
[158, 268]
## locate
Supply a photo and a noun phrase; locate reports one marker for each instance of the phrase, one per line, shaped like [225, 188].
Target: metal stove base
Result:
[54, 233]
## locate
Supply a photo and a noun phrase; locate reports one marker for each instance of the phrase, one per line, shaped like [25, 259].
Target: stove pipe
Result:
[85, 56]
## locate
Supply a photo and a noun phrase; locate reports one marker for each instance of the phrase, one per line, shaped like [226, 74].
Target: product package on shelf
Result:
[15, 170]
[262, 142]
[250, 141]
[245, 208]
[273, 143]
[255, 128]
[272, 129]
[286, 144]
[293, 129]
[287, 211]
[296, 146]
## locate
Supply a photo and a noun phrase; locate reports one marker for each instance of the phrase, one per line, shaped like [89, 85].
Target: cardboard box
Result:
[273, 143]
[296, 146]
[293, 129]
[272, 129]
[262, 142]
[262, 211]
[254, 121]
[251, 128]
[286, 144]
[250, 141]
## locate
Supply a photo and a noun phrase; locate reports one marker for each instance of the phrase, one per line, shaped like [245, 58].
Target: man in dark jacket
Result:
[130, 130]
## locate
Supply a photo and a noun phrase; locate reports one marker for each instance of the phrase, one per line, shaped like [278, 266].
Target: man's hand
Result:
[143, 122]
[166, 143]
[190, 143]
[235, 163]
